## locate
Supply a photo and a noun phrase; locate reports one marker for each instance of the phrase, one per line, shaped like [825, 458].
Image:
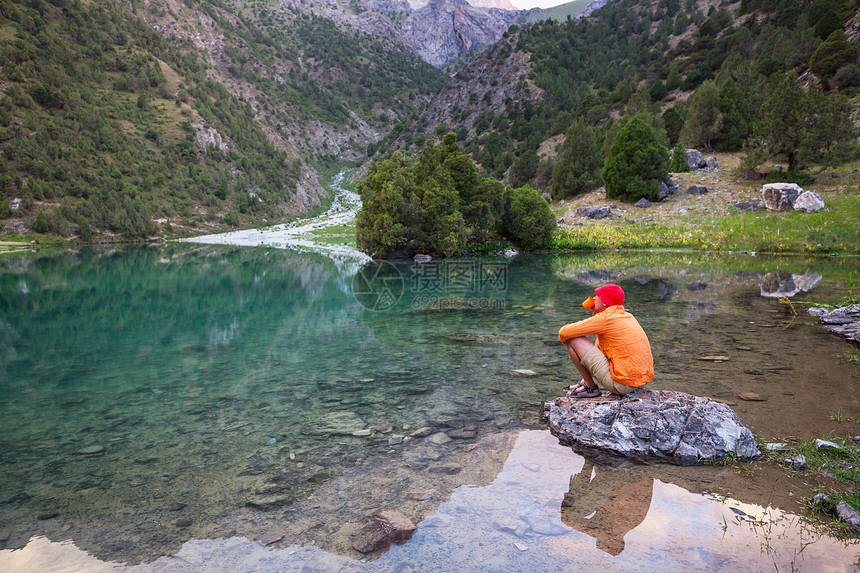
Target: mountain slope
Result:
[176, 117]
[629, 57]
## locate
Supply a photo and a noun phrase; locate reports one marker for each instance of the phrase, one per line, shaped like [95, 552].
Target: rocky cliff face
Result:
[497, 78]
[441, 30]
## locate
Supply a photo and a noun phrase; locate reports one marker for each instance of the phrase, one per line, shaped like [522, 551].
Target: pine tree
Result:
[636, 164]
[580, 163]
[736, 121]
[704, 119]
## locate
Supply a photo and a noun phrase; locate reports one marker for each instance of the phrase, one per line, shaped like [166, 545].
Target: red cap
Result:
[610, 294]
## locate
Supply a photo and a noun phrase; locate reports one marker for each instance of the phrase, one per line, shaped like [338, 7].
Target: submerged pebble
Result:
[90, 451]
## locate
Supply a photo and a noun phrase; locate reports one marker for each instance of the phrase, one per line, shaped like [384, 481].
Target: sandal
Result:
[568, 390]
[586, 392]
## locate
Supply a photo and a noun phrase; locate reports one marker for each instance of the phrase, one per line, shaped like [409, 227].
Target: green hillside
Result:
[697, 71]
[559, 13]
[110, 130]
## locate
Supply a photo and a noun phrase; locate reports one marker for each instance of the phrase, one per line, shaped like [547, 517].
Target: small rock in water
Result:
[825, 445]
[714, 358]
[362, 433]
[394, 440]
[47, 515]
[462, 434]
[271, 441]
[178, 506]
[439, 438]
[267, 502]
[744, 348]
[422, 432]
[523, 372]
[387, 526]
[184, 522]
[521, 547]
[751, 397]
[90, 451]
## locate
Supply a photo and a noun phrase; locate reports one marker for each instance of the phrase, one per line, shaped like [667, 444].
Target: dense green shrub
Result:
[636, 163]
[835, 52]
[437, 204]
[678, 163]
[529, 222]
[40, 224]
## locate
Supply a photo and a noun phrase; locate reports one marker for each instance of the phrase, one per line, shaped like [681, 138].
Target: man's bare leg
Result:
[576, 349]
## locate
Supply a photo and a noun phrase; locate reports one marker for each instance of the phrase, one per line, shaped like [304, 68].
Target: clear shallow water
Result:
[155, 395]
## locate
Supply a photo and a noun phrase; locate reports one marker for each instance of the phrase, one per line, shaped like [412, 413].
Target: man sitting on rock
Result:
[621, 360]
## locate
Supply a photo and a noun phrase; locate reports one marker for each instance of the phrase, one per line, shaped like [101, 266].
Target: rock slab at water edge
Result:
[672, 426]
[844, 321]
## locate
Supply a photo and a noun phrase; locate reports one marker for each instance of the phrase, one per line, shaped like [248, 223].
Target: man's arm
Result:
[593, 325]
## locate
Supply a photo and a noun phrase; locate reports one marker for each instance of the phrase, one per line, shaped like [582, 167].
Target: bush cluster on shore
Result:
[436, 204]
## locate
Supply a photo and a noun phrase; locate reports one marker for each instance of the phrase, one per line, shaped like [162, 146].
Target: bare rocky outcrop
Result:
[594, 211]
[441, 30]
[510, 85]
[647, 424]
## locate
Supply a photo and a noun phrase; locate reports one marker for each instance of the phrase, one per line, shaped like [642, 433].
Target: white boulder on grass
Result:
[809, 202]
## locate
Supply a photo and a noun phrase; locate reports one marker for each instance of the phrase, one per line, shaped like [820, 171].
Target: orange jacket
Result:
[623, 342]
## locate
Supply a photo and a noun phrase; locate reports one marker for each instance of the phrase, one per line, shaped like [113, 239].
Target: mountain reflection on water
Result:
[513, 524]
[160, 396]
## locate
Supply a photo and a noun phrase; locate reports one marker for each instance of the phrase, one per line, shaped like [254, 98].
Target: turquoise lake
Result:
[184, 407]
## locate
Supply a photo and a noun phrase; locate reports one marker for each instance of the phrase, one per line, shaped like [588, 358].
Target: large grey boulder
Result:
[781, 196]
[593, 211]
[809, 202]
[695, 159]
[711, 163]
[662, 424]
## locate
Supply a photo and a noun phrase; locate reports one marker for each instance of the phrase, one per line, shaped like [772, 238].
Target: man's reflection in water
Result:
[606, 503]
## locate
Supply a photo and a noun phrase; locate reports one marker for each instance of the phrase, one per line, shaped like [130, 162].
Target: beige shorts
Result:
[598, 364]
